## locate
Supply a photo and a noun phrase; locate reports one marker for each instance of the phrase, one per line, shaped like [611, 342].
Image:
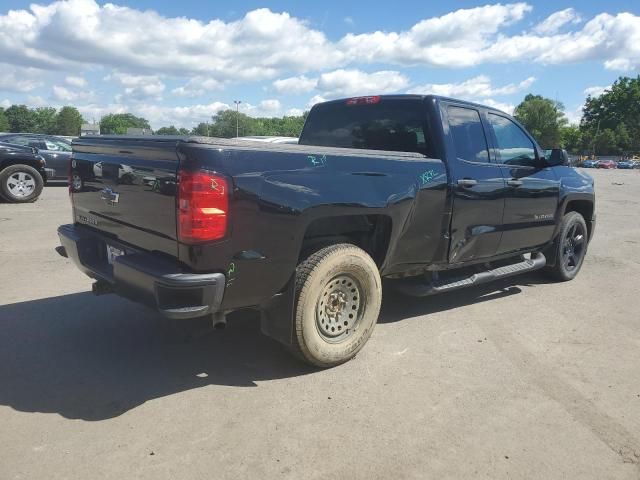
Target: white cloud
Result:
[137, 87]
[294, 112]
[37, 101]
[344, 83]
[76, 81]
[18, 79]
[574, 115]
[554, 22]
[270, 105]
[477, 87]
[295, 85]
[5, 103]
[452, 40]
[315, 99]
[257, 46]
[505, 107]
[68, 34]
[595, 91]
[158, 115]
[198, 86]
[65, 94]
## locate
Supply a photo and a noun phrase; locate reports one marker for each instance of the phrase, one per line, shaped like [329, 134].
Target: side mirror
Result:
[556, 157]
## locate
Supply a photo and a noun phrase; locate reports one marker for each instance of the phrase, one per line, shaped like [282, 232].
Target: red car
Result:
[607, 164]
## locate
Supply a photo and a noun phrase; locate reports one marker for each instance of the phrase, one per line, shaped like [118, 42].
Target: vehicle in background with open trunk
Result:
[430, 193]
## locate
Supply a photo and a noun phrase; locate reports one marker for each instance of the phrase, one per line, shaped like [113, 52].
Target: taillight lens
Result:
[203, 206]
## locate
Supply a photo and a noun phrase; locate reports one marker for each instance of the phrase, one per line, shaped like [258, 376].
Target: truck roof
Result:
[407, 96]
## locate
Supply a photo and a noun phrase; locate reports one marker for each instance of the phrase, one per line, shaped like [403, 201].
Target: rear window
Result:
[395, 125]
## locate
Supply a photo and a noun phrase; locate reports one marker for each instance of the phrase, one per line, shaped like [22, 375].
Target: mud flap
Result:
[276, 317]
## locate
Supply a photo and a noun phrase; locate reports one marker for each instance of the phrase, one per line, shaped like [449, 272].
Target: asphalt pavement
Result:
[520, 379]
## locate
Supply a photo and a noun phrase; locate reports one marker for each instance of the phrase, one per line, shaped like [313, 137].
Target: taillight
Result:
[203, 205]
[363, 100]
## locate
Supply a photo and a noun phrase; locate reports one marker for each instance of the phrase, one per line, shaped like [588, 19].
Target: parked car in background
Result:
[607, 164]
[590, 164]
[55, 150]
[22, 173]
[628, 164]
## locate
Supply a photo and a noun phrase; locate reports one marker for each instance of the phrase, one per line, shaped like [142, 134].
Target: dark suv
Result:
[55, 150]
[22, 173]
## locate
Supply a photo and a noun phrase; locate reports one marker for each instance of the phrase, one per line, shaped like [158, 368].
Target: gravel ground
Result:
[520, 379]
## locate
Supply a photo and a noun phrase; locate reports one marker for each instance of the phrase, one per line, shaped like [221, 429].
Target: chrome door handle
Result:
[467, 182]
[514, 182]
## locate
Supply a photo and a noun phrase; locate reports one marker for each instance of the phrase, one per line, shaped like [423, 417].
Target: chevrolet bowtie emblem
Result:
[109, 196]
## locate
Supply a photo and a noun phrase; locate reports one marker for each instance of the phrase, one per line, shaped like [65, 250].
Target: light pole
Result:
[237, 102]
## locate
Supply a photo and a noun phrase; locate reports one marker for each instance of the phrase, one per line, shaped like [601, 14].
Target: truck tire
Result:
[338, 297]
[20, 184]
[571, 248]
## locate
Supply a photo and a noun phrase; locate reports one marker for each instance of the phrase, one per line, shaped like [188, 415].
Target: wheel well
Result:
[18, 161]
[584, 208]
[369, 232]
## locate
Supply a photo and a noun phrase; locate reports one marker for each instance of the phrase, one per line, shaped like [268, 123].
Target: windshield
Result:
[390, 124]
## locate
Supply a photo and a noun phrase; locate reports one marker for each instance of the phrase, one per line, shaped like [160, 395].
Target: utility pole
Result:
[237, 102]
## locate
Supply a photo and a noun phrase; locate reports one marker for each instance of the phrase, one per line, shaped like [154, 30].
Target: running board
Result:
[416, 289]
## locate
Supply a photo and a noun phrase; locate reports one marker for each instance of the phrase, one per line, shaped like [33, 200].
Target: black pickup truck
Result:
[432, 194]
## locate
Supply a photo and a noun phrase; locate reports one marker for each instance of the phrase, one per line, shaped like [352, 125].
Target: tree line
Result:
[610, 122]
[20, 118]
[68, 121]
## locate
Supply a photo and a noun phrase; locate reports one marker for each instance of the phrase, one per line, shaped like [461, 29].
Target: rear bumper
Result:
[143, 277]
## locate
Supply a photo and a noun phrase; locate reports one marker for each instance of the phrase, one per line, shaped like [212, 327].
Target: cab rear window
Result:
[394, 125]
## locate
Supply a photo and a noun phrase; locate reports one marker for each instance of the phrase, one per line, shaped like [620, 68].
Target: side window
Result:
[468, 135]
[514, 147]
[56, 146]
[24, 141]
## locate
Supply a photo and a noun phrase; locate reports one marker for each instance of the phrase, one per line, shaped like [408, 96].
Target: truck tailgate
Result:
[128, 190]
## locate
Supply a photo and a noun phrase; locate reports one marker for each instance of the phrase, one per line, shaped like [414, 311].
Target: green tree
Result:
[623, 139]
[605, 142]
[69, 121]
[20, 118]
[46, 120]
[117, 123]
[571, 138]
[618, 104]
[167, 131]
[172, 131]
[224, 124]
[4, 123]
[202, 130]
[543, 118]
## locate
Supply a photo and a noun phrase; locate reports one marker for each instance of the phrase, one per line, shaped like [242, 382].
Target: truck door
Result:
[532, 194]
[478, 186]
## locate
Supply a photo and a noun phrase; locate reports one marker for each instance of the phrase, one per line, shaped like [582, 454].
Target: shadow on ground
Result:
[94, 358]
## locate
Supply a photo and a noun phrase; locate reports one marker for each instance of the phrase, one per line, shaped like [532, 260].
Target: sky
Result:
[177, 63]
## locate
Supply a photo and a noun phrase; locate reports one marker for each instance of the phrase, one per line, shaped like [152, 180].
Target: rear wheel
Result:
[338, 297]
[571, 248]
[20, 184]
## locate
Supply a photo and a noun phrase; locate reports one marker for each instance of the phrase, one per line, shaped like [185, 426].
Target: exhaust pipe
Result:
[219, 321]
[101, 288]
